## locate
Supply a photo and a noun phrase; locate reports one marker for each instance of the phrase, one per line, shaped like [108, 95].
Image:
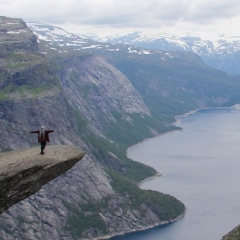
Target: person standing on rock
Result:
[43, 137]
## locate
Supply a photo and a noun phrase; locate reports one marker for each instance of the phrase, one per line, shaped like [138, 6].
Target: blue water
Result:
[200, 167]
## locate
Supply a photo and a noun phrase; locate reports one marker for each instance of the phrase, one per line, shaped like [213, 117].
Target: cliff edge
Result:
[24, 172]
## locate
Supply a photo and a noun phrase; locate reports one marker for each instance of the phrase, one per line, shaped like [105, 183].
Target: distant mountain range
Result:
[220, 51]
[63, 38]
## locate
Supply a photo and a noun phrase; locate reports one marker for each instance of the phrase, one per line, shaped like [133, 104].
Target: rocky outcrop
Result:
[15, 36]
[99, 91]
[24, 172]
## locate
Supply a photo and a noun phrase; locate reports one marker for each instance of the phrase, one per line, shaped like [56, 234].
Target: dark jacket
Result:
[44, 138]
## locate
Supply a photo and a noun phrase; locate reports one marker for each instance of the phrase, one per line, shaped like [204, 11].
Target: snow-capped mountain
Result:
[217, 44]
[59, 36]
[219, 51]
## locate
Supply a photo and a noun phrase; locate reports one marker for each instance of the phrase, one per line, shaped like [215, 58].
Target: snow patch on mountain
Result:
[219, 51]
[61, 37]
[200, 44]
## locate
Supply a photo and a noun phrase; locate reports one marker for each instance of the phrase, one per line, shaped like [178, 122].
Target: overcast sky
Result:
[113, 16]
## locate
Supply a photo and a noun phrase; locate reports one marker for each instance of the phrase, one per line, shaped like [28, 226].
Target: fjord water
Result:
[201, 167]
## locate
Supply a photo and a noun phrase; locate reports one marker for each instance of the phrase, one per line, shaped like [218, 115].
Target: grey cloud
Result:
[211, 10]
[124, 13]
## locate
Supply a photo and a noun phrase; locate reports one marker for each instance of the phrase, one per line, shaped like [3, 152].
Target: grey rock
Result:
[15, 35]
[24, 172]
[97, 90]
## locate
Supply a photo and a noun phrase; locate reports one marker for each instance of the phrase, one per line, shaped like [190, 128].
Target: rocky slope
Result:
[24, 172]
[92, 105]
[172, 83]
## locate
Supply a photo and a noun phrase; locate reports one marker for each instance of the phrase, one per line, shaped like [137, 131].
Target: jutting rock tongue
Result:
[24, 172]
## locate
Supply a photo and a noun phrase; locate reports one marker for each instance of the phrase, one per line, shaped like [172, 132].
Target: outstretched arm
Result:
[49, 131]
[34, 132]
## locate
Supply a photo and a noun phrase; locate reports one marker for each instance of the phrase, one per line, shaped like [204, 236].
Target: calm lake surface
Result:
[200, 167]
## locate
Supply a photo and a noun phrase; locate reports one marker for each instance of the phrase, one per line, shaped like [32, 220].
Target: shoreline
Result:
[177, 121]
[162, 223]
[143, 229]
[150, 138]
[158, 174]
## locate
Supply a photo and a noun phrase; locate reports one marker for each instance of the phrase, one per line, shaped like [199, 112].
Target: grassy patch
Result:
[25, 90]
[18, 60]
[3, 95]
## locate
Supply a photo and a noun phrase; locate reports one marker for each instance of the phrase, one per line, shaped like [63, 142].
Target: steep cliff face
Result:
[89, 104]
[98, 90]
[15, 36]
[28, 89]
[175, 82]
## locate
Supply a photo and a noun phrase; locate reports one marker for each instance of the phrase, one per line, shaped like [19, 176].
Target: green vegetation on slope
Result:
[176, 85]
[26, 74]
[164, 205]
[88, 215]
[112, 153]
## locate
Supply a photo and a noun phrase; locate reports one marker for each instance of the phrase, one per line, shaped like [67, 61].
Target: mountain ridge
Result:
[209, 48]
[219, 51]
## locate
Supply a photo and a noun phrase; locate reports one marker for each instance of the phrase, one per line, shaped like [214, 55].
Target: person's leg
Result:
[43, 145]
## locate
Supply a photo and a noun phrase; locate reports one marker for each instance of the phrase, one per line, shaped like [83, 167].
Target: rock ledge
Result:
[24, 172]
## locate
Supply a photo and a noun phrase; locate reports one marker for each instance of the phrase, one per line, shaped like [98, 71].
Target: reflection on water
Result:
[201, 167]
